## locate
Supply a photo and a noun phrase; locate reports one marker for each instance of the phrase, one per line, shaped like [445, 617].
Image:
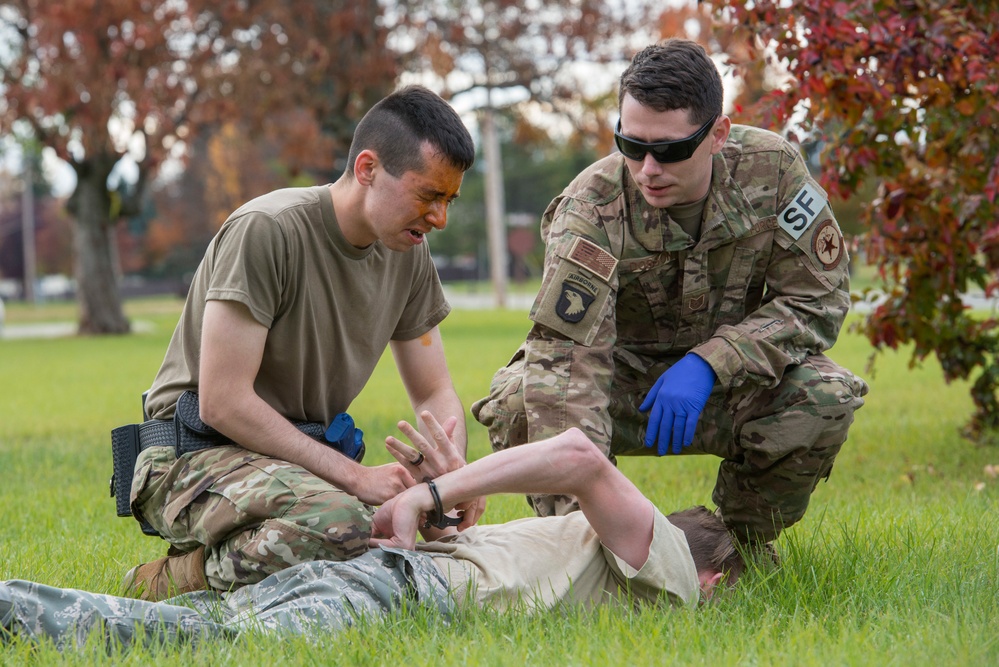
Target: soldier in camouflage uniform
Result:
[625, 553]
[279, 326]
[694, 280]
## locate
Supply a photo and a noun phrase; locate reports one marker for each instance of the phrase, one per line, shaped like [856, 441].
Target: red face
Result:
[401, 211]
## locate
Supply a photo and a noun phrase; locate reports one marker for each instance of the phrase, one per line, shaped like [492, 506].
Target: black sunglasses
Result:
[677, 150]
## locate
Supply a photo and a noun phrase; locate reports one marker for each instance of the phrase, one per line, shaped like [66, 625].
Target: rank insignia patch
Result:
[827, 245]
[573, 303]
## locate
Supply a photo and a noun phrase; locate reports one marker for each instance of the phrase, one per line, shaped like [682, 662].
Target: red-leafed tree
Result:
[96, 81]
[905, 93]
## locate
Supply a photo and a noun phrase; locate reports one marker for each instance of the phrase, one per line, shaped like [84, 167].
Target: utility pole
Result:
[28, 229]
[495, 214]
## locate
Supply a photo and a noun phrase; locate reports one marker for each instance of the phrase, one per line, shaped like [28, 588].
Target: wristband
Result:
[437, 518]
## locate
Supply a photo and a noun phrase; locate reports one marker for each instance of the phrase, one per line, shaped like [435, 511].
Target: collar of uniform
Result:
[728, 213]
[651, 226]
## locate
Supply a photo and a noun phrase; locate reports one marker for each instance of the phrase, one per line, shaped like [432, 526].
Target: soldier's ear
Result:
[719, 133]
[709, 580]
[365, 165]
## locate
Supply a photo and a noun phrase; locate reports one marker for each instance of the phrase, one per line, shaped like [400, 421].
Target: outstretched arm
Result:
[568, 463]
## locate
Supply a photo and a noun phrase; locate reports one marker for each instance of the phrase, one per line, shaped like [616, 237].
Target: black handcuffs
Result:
[437, 518]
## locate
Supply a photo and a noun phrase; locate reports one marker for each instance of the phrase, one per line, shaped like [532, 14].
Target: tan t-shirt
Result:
[331, 309]
[688, 216]
[539, 562]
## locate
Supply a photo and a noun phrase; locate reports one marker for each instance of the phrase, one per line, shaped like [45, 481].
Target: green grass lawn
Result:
[896, 562]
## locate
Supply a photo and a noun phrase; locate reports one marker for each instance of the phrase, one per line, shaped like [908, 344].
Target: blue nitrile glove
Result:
[676, 400]
[345, 437]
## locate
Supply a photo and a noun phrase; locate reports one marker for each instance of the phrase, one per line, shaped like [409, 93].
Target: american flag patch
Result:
[593, 258]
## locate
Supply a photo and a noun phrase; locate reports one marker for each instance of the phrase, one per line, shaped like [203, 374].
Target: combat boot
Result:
[168, 576]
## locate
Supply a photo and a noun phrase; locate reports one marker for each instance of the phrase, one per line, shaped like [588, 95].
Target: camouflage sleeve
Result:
[569, 352]
[807, 291]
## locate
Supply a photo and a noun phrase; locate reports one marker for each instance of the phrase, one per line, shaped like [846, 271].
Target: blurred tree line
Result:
[894, 102]
[209, 104]
[249, 95]
[165, 239]
[213, 103]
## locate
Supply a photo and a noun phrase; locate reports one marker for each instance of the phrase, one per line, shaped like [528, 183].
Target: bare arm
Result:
[232, 347]
[423, 369]
[568, 463]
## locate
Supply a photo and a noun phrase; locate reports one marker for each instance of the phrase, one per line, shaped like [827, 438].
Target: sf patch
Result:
[802, 210]
[574, 301]
[827, 244]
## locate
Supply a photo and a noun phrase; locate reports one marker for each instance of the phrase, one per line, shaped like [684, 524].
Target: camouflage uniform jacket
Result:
[626, 292]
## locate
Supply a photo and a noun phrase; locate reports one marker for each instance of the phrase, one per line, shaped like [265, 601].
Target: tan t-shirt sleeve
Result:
[668, 569]
[543, 561]
[248, 265]
[427, 307]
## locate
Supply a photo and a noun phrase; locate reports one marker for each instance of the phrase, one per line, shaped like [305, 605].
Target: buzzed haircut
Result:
[710, 542]
[397, 126]
[674, 74]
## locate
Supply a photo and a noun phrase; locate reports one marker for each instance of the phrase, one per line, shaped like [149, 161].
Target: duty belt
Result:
[186, 433]
[156, 433]
[126, 443]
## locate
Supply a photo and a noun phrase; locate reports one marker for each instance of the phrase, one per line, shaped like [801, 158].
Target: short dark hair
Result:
[674, 74]
[710, 542]
[397, 126]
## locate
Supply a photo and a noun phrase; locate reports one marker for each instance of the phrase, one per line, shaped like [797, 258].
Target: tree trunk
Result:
[495, 210]
[96, 278]
[28, 249]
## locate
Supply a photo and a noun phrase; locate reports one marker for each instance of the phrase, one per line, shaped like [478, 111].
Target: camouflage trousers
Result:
[312, 598]
[255, 515]
[776, 444]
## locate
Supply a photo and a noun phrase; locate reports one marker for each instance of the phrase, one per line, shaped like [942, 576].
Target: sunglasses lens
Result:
[663, 151]
[674, 152]
[629, 148]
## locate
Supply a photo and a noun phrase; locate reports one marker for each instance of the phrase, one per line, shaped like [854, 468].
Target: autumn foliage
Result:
[905, 93]
[95, 81]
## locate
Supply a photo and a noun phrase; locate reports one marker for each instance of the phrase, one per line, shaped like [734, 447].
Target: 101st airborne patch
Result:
[573, 302]
[577, 289]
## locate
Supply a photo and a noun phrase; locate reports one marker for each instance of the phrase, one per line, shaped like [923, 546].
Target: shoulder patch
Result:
[592, 257]
[827, 244]
[573, 303]
[802, 210]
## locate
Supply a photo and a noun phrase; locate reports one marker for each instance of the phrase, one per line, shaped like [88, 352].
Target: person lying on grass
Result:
[620, 549]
